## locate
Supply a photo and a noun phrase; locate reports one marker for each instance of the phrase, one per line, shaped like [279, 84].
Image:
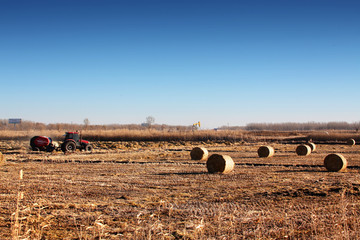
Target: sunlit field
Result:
[143, 185]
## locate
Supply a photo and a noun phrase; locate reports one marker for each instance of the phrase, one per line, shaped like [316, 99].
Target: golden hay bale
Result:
[220, 164]
[2, 159]
[303, 150]
[266, 151]
[350, 142]
[312, 146]
[335, 162]
[199, 153]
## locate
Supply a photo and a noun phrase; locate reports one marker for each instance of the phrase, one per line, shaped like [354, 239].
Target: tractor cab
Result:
[72, 135]
[76, 137]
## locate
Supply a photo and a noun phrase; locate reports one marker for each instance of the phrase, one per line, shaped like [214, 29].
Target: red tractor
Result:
[71, 142]
[74, 141]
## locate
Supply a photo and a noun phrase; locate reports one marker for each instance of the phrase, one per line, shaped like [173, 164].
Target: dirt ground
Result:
[153, 190]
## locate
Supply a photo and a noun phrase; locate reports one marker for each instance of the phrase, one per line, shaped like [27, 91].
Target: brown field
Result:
[153, 190]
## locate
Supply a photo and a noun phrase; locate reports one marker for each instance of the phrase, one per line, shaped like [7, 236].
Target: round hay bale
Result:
[220, 164]
[2, 159]
[266, 151]
[303, 150]
[199, 153]
[312, 146]
[350, 142]
[335, 162]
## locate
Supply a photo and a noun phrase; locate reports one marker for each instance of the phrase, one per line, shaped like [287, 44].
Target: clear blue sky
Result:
[180, 61]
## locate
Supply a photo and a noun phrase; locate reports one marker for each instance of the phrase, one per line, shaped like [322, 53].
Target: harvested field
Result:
[153, 190]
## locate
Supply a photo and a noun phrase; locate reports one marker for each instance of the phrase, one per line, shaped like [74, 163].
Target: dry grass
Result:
[153, 135]
[334, 136]
[131, 135]
[153, 190]
[188, 135]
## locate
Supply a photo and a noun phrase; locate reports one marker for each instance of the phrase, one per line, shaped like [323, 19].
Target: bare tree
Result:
[150, 120]
[356, 126]
[86, 122]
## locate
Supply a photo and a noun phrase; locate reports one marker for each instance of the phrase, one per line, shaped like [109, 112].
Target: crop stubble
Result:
[155, 191]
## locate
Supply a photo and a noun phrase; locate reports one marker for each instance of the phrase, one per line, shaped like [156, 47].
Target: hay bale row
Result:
[305, 149]
[216, 163]
[302, 150]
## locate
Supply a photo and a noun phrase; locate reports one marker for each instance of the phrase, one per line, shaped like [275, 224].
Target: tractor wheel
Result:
[68, 146]
[88, 148]
[50, 148]
[36, 149]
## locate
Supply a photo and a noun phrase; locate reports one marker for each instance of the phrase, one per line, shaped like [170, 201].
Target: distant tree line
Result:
[309, 126]
[289, 126]
[30, 125]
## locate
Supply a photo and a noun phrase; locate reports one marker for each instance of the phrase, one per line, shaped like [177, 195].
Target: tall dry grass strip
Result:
[312, 146]
[350, 142]
[266, 151]
[335, 162]
[2, 159]
[199, 153]
[220, 164]
[303, 150]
